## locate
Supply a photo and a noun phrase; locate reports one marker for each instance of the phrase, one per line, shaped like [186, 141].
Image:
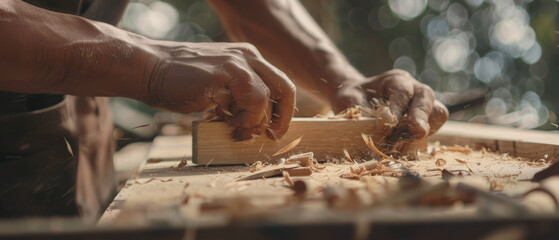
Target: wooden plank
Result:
[327, 138]
[531, 144]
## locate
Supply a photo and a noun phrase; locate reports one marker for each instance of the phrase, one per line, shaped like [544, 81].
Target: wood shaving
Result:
[494, 186]
[369, 141]
[153, 160]
[349, 113]
[182, 164]
[256, 166]
[153, 179]
[460, 161]
[440, 162]
[348, 157]
[69, 147]
[370, 168]
[288, 147]
[303, 159]
[141, 126]
[457, 149]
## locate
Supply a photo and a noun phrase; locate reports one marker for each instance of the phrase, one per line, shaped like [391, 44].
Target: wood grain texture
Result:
[531, 144]
[327, 138]
[202, 183]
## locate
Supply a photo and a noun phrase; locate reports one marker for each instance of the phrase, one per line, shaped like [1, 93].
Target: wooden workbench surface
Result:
[162, 182]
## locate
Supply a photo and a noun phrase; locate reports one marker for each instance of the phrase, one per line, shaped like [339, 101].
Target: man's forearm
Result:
[291, 40]
[44, 51]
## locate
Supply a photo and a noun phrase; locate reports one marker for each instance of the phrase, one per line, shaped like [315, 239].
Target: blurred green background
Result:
[507, 48]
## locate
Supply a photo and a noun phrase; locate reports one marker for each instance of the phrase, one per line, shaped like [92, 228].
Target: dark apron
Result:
[56, 151]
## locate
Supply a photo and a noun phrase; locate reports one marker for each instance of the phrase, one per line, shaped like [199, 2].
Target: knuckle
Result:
[423, 109]
[235, 63]
[265, 92]
[426, 90]
[236, 70]
[235, 56]
[248, 49]
[290, 88]
[235, 52]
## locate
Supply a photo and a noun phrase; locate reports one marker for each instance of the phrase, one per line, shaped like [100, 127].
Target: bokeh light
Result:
[407, 9]
[154, 20]
[504, 47]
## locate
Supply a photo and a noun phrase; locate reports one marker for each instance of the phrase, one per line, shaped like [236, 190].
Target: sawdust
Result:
[342, 185]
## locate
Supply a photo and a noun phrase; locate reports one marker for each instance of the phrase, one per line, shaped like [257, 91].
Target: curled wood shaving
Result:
[369, 168]
[369, 141]
[303, 159]
[256, 166]
[440, 162]
[348, 113]
[288, 147]
[348, 157]
[182, 164]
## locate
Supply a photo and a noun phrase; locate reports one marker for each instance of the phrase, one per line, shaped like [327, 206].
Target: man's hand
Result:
[88, 58]
[245, 90]
[409, 101]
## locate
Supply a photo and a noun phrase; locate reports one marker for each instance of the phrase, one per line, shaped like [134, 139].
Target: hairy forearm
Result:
[290, 39]
[48, 52]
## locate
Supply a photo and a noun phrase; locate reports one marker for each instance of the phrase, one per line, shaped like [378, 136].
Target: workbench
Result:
[172, 198]
[161, 183]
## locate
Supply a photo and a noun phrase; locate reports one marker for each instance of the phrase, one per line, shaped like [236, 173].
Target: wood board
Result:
[327, 138]
[532, 144]
[212, 143]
